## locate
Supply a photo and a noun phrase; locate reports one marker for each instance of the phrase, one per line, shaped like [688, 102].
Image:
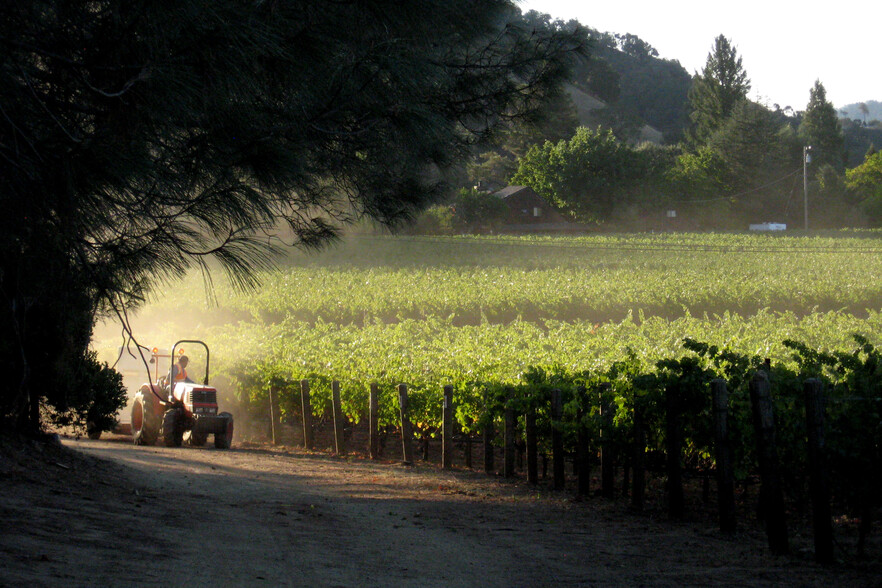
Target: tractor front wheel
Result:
[225, 439]
[172, 427]
[195, 439]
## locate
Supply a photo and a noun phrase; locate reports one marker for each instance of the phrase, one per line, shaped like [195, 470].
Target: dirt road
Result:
[111, 513]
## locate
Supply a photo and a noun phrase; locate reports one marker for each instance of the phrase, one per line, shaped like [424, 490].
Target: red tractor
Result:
[176, 409]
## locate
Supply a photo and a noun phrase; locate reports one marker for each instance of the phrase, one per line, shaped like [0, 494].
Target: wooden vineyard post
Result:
[819, 482]
[771, 495]
[583, 455]
[674, 450]
[508, 451]
[607, 452]
[557, 447]
[638, 482]
[373, 421]
[723, 454]
[272, 414]
[488, 433]
[468, 451]
[306, 406]
[339, 419]
[424, 446]
[447, 429]
[532, 446]
[406, 429]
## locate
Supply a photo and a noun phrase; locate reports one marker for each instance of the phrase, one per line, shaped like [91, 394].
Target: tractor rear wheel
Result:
[172, 427]
[145, 427]
[225, 440]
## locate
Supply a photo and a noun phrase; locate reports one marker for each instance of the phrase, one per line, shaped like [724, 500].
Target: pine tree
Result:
[758, 151]
[821, 129]
[755, 145]
[715, 92]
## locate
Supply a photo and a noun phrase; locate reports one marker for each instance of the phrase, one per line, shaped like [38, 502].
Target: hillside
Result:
[653, 89]
[638, 87]
[854, 112]
[591, 112]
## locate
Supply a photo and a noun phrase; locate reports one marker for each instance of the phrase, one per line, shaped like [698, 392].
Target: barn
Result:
[528, 212]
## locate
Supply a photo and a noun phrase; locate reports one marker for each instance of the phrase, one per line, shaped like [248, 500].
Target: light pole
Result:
[806, 159]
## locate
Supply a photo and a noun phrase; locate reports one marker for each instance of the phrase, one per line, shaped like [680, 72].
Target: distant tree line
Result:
[726, 161]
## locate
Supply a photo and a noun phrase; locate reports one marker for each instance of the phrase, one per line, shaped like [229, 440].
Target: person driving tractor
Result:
[179, 370]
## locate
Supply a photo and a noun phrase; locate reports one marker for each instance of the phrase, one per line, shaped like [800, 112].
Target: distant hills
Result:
[625, 86]
[642, 96]
[650, 94]
[856, 112]
[589, 111]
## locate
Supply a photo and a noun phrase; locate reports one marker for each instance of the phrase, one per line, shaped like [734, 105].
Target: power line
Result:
[740, 194]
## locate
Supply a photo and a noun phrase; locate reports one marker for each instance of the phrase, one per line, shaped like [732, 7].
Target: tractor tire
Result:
[145, 428]
[172, 428]
[195, 439]
[225, 440]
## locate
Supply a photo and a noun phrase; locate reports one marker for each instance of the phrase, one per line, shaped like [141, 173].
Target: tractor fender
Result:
[156, 402]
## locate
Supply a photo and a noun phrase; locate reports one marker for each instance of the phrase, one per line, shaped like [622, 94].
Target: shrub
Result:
[93, 395]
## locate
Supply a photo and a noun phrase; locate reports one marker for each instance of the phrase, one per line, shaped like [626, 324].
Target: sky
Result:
[785, 46]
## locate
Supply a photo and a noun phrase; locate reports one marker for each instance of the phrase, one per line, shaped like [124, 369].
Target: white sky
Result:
[785, 46]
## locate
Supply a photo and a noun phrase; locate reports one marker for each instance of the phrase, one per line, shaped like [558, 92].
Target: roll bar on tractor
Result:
[173, 355]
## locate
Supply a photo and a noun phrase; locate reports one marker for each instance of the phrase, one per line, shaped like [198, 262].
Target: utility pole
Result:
[806, 159]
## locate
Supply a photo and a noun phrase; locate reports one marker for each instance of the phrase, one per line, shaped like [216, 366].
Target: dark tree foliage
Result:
[756, 147]
[748, 169]
[626, 73]
[859, 141]
[595, 75]
[556, 120]
[599, 79]
[139, 138]
[88, 397]
[496, 159]
[762, 161]
[820, 128]
[477, 211]
[636, 47]
[650, 90]
[715, 92]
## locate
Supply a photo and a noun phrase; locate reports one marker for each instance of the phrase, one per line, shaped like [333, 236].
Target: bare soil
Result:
[98, 513]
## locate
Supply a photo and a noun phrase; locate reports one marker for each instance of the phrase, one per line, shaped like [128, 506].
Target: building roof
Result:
[510, 191]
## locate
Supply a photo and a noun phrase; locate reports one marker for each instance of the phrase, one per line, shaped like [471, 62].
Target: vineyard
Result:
[639, 323]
